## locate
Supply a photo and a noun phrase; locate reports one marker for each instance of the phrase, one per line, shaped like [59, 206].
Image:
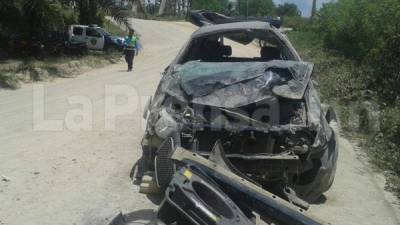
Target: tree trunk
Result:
[83, 7]
[140, 7]
[93, 7]
[179, 7]
[183, 7]
[314, 8]
[188, 8]
[173, 7]
[163, 4]
[238, 7]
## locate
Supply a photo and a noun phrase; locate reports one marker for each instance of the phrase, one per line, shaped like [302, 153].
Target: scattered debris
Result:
[200, 201]
[248, 195]
[149, 185]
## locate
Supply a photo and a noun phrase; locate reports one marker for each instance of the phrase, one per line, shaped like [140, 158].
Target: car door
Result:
[77, 35]
[95, 40]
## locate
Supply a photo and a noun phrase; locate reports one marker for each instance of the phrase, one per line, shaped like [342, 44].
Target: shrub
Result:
[384, 146]
[213, 5]
[369, 32]
[364, 37]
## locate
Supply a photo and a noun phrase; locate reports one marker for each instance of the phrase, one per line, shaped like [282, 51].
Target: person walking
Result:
[131, 48]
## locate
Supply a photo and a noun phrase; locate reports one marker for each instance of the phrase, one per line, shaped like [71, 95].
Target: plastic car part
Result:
[140, 217]
[218, 156]
[243, 191]
[164, 166]
[195, 199]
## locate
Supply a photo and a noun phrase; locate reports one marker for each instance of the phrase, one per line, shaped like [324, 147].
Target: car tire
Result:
[110, 49]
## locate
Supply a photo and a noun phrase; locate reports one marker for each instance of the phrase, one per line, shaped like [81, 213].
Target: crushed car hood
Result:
[232, 84]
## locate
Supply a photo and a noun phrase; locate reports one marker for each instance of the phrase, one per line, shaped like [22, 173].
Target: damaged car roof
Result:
[219, 28]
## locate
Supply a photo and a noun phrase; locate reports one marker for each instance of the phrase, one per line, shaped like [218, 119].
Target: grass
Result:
[8, 81]
[14, 72]
[337, 76]
[167, 18]
[161, 18]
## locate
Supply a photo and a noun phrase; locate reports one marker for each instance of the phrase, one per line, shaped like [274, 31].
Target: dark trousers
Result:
[129, 56]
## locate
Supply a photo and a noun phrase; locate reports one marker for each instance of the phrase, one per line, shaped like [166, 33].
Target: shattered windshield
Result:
[201, 78]
[286, 78]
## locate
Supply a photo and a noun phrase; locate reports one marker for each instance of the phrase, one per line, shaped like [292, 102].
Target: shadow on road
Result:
[321, 200]
[133, 173]
[144, 216]
[154, 198]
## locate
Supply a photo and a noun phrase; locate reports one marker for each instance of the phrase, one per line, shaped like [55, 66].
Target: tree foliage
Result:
[369, 32]
[291, 16]
[359, 28]
[257, 8]
[25, 24]
[288, 10]
[93, 11]
[213, 5]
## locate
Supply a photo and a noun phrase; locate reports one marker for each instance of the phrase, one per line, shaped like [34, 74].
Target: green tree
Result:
[314, 8]
[27, 23]
[93, 11]
[367, 31]
[258, 8]
[31, 19]
[288, 9]
[359, 28]
[40, 17]
[213, 5]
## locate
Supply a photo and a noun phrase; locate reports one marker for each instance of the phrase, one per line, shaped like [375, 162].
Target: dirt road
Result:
[56, 173]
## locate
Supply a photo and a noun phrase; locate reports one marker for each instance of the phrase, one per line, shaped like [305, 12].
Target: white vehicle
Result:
[95, 37]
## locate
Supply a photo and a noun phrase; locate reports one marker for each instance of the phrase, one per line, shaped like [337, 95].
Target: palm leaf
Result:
[116, 12]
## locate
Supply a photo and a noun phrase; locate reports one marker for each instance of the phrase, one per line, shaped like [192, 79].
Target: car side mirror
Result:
[147, 107]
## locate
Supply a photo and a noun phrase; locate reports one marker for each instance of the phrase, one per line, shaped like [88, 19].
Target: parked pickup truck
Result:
[95, 38]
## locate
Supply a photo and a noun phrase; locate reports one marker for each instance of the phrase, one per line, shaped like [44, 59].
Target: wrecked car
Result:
[263, 112]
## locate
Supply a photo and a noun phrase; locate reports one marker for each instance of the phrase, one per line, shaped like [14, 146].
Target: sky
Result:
[304, 5]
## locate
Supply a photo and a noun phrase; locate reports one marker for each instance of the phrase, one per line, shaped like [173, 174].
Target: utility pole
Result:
[314, 8]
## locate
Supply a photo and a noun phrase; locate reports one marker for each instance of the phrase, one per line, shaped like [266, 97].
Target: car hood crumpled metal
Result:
[233, 84]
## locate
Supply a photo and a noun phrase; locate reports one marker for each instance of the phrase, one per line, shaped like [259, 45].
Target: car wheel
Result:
[111, 49]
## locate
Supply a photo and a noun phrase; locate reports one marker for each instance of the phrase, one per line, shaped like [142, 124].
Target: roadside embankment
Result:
[364, 117]
[13, 73]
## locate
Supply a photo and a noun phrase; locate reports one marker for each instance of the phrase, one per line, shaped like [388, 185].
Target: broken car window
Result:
[228, 47]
